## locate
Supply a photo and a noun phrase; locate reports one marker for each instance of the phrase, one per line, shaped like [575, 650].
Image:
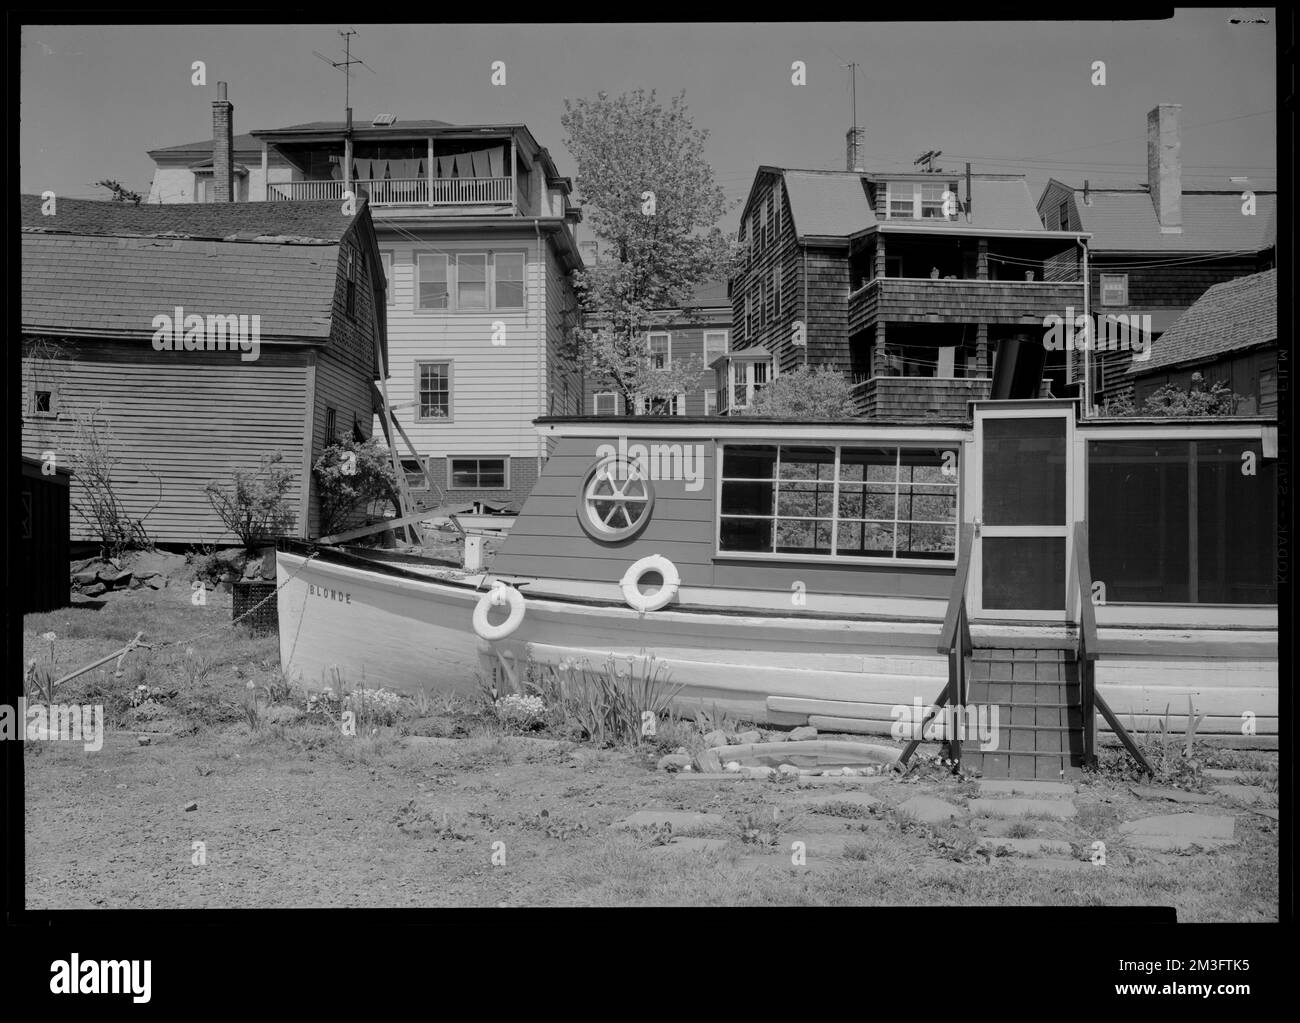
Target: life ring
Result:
[498, 595]
[639, 601]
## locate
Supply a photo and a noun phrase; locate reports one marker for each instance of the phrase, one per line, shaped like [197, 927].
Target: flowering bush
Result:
[520, 711]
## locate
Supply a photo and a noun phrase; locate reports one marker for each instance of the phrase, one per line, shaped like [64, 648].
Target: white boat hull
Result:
[406, 633]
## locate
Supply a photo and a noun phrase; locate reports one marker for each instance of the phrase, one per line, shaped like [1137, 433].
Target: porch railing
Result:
[955, 641]
[402, 191]
[1092, 701]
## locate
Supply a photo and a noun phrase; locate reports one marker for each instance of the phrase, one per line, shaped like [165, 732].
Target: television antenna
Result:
[928, 159]
[346, 64]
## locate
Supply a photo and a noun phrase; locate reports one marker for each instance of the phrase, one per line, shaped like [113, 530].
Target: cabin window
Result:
[433, 389]
[839, 501]
[1114, 289]
[710, 402]
[605, 404]
[43, 400]
[1177, 522]
[508, 274]
[661, 349]
[387, 259]
[431, 269]
[331, 425]
[616, 500]
[1063, 216]
[776, 293]
[932, 201]
[416, 476]
[478, 473]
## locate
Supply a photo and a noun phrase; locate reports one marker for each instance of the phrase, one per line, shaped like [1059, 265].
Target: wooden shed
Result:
[43, 537]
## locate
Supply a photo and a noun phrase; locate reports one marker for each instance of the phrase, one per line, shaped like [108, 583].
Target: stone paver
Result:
[1173, 795]
[928, 809]
[1008, 786]
[678, 820]
[1021, 807]
[1179, 831]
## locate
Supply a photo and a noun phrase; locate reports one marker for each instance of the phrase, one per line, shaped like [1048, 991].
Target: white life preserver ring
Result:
[639, 601]
[498, 595]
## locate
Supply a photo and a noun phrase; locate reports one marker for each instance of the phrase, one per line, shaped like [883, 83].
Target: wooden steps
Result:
[1040, 717]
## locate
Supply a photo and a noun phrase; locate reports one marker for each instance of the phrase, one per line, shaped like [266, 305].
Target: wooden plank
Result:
[377, 527]
[957, 599]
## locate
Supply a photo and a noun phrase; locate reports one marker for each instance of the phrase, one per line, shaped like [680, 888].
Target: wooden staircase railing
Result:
[1091, 700]
[955, 641]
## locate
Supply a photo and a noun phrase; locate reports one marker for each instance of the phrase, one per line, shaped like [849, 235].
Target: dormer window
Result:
[922, 200]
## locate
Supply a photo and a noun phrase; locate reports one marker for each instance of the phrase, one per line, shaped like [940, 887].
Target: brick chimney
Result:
[854, 139]
[223, 147]
[1165, 166]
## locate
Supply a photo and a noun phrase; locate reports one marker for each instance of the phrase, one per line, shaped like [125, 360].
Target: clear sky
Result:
[1011, 96]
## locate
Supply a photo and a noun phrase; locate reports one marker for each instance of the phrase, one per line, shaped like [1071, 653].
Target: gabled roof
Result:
[1231, 316]
[108, 268]
[1124, 220]
[320, 221]
[838, 203]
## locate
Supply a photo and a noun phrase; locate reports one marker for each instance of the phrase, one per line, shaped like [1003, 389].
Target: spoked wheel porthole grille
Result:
[615, 501]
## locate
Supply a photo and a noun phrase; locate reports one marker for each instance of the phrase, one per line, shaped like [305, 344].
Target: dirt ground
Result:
[441, 808]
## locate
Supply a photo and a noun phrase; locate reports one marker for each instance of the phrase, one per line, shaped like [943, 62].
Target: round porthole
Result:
[615, 501]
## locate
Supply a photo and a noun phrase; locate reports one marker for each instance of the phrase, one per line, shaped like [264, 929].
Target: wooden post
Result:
[879, 365]
[982, 260]
[266, 174]
[514, 177]
[880, 255]
[429, 170]
[982, 350]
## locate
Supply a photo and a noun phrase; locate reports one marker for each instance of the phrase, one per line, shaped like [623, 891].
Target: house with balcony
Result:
[906, 281]
[478, 236]
[1156, 246]
[699, 332]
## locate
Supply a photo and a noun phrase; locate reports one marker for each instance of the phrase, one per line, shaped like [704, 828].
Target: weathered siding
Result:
[1241, 371]
[177, 419]
[777, 248]
[908, 300]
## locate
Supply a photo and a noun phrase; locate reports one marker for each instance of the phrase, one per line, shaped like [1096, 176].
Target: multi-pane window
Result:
[331, 425]
[1063, 216]
[1114, 289]
[749, 316]
[433, 389]
[477, 473]
[932, 201]
[605, 403]
[350, 268]
[839, 501]
[432, 272]
[710, 402]
[776, 293]
[715, 345]
[901, 199]
[471, 281]
[760, 225]
[508, 268]
[770, 227]
[660, 345]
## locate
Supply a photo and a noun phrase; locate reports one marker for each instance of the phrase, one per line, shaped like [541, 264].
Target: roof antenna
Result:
[346, 64]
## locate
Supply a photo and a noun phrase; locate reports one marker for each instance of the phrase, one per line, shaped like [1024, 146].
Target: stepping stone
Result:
[1179, 831]
[692, 845]
[1244, 793]
[1021, 807]
[1173, 795]
[840, 781]
[1029, 846]
[863, 799]
[1008, 786]
[677, 820]
[928, 810]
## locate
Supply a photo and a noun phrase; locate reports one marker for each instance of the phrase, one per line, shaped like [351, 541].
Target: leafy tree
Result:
[350, 474]
[651, 199]
[255, 506]
[808, 392]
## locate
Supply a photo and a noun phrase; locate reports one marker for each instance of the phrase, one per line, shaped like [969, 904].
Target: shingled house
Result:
[1156, 246]
[1229, 335]
[201, 337]
[907, 281]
